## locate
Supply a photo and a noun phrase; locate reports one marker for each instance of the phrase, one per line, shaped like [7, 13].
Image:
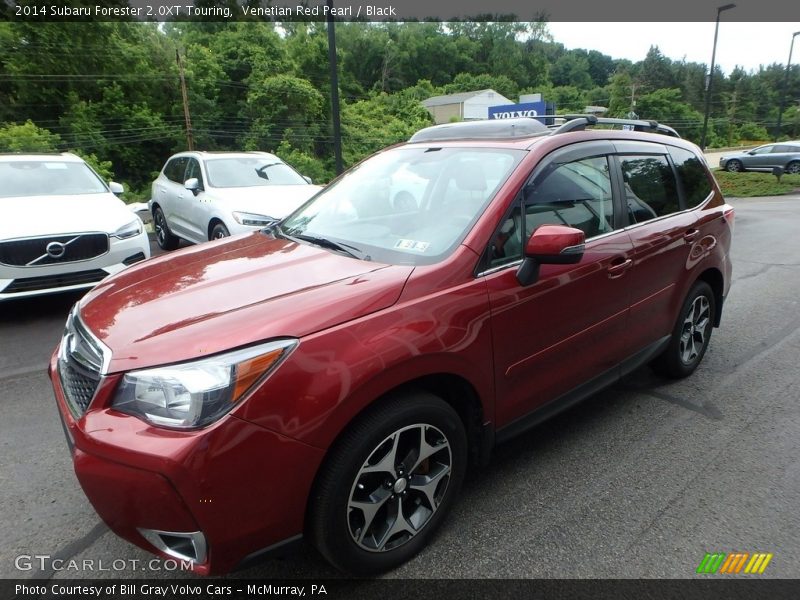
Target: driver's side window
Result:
[576, 194]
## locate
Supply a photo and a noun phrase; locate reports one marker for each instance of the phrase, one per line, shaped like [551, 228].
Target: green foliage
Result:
[27, 138]
[750, 184]
[111, 90]
[283, 107]
[753, 132]
[305, 164]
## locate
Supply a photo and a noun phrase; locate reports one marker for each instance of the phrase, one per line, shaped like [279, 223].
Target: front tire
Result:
[793, 168]
[219, 231]
[734, 166]
[691, 334]
[164, 237]
[388, 483]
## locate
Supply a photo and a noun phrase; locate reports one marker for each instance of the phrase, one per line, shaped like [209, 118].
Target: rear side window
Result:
[692, 174]
[650, 188]
[175, 169]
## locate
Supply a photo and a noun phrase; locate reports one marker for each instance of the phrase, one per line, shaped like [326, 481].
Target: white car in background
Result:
[62, 227]
[201, 196]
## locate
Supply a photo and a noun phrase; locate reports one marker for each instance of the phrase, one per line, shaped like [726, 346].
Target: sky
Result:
[747, 45]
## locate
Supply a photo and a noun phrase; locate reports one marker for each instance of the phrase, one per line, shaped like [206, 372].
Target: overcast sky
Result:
[744, 44]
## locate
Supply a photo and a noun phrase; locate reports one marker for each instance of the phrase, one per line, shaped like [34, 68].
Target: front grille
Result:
[79, 386]
[46, 282]
[81, 359]
[33, 252]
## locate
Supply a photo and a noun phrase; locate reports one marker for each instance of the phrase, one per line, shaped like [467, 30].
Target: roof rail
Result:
[581, 122]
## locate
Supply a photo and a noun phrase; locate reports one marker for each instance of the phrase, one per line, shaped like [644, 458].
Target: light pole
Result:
[710, 82]
[337, 127]
[785, 84]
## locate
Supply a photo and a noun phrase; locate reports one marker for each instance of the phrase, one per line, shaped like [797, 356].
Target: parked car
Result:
[765, 158]
[62, 227]
[201, 196]
[336, 376]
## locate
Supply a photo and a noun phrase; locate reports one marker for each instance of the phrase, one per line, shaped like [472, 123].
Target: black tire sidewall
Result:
[217, 227]
[670, 363]
[170, 241]
[328, 512]
[734, 162]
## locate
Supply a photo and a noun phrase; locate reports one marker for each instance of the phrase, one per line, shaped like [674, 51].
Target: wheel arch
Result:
[454, 389]
[212, 223]
[713, 277]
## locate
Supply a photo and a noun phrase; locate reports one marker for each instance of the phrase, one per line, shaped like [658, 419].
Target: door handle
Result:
[618, 269]
[690, 235]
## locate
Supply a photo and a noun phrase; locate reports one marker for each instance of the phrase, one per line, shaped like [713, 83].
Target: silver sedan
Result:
[765, 158]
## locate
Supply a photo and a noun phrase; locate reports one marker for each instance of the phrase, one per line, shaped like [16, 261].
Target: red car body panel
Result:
[365, 329]
[184, 305]
[140, 476]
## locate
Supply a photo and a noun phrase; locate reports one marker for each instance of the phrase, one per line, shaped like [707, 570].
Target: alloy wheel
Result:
[695, 327]
[399, 488]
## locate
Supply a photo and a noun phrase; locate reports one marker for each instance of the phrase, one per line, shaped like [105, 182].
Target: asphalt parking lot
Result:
[639, 481]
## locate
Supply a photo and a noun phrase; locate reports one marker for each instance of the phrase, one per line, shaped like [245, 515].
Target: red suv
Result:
[333, 376]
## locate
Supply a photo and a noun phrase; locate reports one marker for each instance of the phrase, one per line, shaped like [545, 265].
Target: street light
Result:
[710, 79]
[337, 127]
[785, 84]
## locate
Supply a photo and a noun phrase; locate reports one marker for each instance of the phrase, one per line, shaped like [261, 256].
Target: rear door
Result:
[569, 326]
[662, 233]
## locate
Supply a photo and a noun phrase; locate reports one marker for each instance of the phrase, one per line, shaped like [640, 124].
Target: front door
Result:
[569, 326]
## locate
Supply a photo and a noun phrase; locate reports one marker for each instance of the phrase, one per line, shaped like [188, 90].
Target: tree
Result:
[27, 138]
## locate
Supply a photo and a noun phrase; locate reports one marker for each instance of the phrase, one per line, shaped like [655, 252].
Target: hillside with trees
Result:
[111, 90]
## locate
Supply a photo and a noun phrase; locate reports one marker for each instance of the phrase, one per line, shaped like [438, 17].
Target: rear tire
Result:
[164, 237]
[387, 484]
[691, 334]
[734, 166]
[793, 168]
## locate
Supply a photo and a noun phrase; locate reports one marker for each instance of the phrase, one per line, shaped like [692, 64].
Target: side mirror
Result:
[307, 178]
[193, 185]
[752, 152]
[550, 245]
[116, 188]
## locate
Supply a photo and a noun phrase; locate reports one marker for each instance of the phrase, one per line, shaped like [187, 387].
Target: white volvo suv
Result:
[201, 196]
[61, 226]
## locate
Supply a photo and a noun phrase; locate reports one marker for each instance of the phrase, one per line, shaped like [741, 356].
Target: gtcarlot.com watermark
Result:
[46, 562]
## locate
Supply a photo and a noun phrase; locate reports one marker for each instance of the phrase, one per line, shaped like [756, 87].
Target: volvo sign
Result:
[511, 111]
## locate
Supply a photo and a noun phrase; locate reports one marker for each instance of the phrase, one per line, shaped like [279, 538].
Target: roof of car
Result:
[220, 154]
[524, 132]
[42, 156]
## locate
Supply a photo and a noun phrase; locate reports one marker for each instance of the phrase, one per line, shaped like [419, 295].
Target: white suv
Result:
[62, 227]
[201, 196]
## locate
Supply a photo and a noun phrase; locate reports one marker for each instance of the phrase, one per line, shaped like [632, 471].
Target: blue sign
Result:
[512, 111]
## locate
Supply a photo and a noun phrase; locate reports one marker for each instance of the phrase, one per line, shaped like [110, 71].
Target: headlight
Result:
[252, 219]
[130, 230]
[197, 393]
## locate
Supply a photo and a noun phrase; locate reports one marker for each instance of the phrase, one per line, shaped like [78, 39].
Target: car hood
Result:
[272, 200]
[32, 216]
[221, 295]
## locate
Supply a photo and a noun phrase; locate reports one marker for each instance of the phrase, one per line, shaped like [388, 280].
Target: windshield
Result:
[253, 171]
[410, 205]
[47, 178]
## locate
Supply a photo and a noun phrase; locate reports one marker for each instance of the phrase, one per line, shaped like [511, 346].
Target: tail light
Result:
[729, 214]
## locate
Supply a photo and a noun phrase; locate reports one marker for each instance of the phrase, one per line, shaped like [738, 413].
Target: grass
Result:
[752, 184]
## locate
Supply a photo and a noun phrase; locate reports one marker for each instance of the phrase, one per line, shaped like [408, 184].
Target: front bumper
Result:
[21, 282]
[243, 487]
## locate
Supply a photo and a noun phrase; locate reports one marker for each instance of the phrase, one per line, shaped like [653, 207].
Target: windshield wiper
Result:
[262, 170]
[330, 244]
